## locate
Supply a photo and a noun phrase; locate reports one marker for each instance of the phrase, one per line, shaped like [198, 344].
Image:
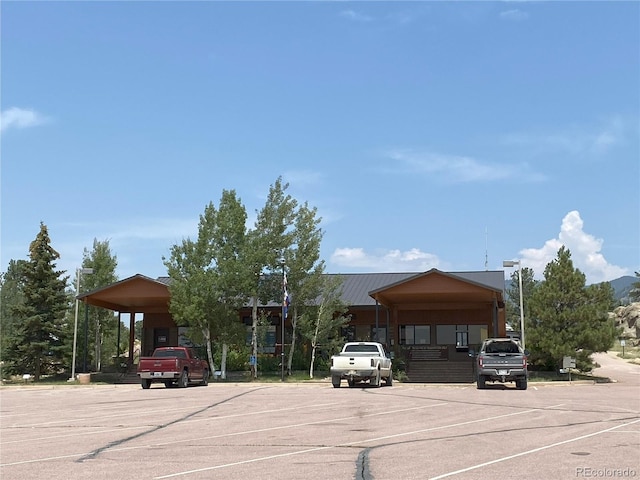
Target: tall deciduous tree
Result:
[321, 324]
[103, 325]
[39, 342]
[209, 275]
[305, 269]
[567, 318]
[266, 244]
[226, 247]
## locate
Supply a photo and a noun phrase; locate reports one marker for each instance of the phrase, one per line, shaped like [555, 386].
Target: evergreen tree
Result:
[11, 296]
[634, 293]
[567, 318]
[39, 342]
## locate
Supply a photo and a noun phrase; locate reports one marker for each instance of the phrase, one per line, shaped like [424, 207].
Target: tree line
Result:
[562, 315]
[228, 266]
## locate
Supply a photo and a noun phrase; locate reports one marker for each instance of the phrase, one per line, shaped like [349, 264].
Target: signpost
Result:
[567, 364]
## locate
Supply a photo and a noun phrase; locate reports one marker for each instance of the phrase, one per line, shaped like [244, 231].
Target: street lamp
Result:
[513, 263]
[79, 272]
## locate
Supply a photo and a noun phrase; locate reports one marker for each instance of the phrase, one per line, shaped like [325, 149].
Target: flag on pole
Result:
[286, 301]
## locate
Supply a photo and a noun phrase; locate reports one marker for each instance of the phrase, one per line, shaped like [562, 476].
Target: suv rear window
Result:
[502, 347]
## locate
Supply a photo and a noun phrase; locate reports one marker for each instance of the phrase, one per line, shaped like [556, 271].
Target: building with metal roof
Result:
[428, 320]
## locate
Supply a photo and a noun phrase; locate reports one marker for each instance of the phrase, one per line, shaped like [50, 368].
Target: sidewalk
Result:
[616, 368]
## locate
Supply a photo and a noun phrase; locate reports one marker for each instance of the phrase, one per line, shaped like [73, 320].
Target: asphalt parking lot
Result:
[313, 431]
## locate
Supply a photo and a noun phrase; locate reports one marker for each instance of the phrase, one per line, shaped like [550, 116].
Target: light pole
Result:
[513, 263]
[79, 272]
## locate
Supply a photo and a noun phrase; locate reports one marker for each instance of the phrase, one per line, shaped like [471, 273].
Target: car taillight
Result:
[372, 363]
[332, 362]
[177, 365]
[480, 362]
[524, 361]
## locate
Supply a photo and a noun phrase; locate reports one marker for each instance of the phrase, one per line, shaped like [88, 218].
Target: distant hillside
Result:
[621, 287]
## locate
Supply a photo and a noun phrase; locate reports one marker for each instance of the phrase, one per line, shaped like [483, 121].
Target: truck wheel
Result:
[205, 378]
[481, 382]
[389, 379]
[335, 381]
[183, 381]
[521, 383]
[146, 383]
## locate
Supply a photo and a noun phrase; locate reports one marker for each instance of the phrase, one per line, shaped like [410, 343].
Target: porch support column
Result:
[388, 331]
[118, 340]
[494, 311]
[377, 310]
[132, 336]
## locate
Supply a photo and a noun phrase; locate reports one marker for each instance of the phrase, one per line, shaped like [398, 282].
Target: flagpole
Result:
[283, 313]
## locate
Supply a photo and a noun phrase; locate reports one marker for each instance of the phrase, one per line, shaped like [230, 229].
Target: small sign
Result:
[252, 360]
[568, 362]
[622, 342]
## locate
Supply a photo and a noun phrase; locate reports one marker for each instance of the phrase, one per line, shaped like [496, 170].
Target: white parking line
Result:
[222, 435]
[357, 442]
[509, 457]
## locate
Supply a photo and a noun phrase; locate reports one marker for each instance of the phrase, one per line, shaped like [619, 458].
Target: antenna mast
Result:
[486, 248]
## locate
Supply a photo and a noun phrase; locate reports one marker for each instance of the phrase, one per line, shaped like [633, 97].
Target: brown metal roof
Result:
[141, 294]
[439, 287]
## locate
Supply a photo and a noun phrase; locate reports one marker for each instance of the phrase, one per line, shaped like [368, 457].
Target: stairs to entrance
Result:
[130, 376]
[440, 372]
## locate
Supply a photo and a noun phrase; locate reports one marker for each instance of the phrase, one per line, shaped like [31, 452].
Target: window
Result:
[462, 339]
[415, 334]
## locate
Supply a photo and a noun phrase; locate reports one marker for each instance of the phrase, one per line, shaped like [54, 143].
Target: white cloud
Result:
[574, 140]
[514, 15]
[459, 169]
[412, 260]
[355, 16]
[585, 252]
[15, 117]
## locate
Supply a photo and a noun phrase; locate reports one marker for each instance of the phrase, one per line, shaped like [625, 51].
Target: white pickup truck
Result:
[361, 362]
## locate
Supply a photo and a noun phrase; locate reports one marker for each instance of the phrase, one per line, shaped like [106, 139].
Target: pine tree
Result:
[634, 293]
[11, 296]
[568, 318]
[38, 344]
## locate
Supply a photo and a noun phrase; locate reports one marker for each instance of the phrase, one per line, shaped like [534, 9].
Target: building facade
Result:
[427, 320]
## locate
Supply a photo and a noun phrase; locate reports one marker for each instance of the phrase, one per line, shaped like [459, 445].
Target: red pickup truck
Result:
[173, 366]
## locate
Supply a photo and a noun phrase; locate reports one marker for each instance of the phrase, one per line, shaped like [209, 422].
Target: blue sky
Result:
[428, 134]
